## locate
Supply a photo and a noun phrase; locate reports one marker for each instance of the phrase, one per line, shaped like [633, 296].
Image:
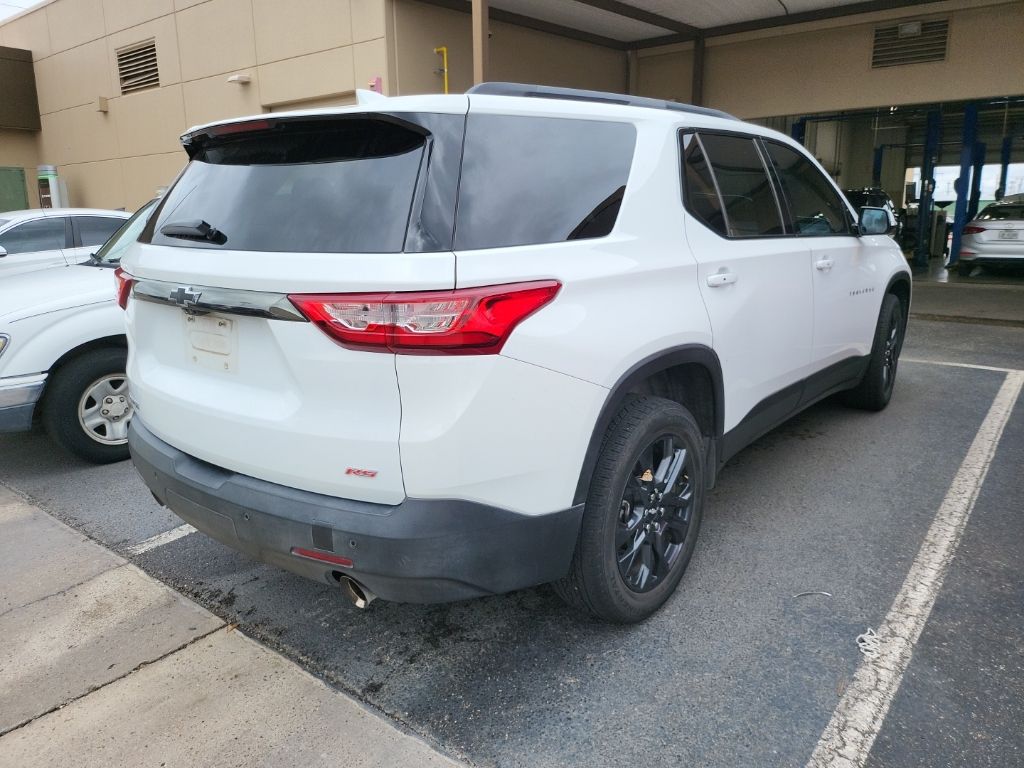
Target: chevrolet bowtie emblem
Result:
[185, 297]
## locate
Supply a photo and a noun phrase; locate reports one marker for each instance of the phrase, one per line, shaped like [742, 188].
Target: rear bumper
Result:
[419, 551]
[994, 260]
[18, 398]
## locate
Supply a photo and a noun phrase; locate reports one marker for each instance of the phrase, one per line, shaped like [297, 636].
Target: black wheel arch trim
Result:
[901, 277]
[685, 354]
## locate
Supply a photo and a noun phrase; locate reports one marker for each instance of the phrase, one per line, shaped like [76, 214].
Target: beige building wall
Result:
[297, 53]
[517, 54]
[826, 66]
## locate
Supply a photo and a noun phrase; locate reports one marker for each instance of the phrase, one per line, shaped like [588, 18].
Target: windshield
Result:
[1002, 212]
[110, 252]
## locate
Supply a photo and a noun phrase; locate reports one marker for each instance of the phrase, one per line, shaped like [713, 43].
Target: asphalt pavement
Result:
[737, 669]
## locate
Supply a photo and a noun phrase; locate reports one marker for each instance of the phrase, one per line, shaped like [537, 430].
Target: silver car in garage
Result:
[994, 238]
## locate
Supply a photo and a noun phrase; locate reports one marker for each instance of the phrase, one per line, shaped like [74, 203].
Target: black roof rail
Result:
[602, 97]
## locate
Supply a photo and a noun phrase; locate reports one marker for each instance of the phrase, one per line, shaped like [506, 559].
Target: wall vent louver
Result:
[910, 43]
[137, 67]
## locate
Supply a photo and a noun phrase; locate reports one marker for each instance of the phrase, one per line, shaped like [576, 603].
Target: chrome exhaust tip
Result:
[360, 596]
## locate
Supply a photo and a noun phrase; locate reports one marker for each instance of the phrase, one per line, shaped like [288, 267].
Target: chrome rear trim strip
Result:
[201, 299]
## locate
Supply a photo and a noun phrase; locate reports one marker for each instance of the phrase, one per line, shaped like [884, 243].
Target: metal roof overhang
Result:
[647, 23]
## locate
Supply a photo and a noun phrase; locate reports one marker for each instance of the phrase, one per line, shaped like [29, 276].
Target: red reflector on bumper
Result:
[323, 557]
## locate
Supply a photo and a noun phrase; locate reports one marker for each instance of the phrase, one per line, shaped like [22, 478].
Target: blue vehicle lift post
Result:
[933, 135]
[1004, 166]
[979, 165]
[876, 166]
[963, 184]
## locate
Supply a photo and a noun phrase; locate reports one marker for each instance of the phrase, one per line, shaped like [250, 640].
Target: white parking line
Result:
[849, 736]
[161, 538]
[959, 365]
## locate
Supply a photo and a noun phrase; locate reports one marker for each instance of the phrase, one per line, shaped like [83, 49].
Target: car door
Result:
[33, 244]
[89, 233]
[844, 268]
[753, 279]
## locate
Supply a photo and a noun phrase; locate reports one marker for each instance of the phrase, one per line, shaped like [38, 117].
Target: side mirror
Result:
[3, 251]
[875, 221]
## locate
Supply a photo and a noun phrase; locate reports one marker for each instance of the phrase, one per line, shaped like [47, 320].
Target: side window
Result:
[699, 188]
[814, 204]
[36, 235]
[748, 199]
[531, 180]
[96, 230]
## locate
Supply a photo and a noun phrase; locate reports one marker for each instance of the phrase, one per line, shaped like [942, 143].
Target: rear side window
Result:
[342, 186]
[96, 230]
[700, 191]
[37, 235]
[744, 187]
[531, 180]
[815, 206]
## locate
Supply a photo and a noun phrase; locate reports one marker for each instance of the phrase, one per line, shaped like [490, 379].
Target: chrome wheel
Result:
[104, 410]
[654, 515]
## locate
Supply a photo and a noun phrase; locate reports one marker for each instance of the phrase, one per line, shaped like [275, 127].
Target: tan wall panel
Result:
[164, 32]
[73, 77]
[517, 54]
[370, 60]
[368, 19]
[144, 175]
[284, 30]
[214, 98]
[343, 100]
[94, 185]
[216, 37]
[73, 22]
[307, 77]
[78, 135]
[122, 14]
[149, 122]
[20, 149]
[180, 5]
[666, 76]
[29, 32]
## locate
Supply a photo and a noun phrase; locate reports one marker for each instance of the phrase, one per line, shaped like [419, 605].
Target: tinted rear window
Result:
[96, 230]
[1001, 212]
[530, 180]
[743, 183]
[343, 186]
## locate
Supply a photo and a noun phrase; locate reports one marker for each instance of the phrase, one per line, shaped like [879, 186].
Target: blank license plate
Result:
[212, 342]
[1009, 234]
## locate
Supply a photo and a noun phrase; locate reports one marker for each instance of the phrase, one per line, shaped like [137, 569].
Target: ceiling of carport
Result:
[639, 23]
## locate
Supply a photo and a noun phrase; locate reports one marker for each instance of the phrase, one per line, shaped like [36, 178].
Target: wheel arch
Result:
[690, 375]
[900, 286]
[114, 341]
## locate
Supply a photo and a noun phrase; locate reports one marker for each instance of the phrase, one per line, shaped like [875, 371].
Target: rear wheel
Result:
[87, 409]
[875, 389]
[964, 268]
[642, 514]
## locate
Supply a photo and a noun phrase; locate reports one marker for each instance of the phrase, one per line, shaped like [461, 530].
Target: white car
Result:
[995, 237]
[62, 352]
[435, 347]
[52, 237]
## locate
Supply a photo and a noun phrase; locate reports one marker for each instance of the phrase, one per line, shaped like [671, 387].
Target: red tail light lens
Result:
[973, 230]
[468, 321]
[124, 287]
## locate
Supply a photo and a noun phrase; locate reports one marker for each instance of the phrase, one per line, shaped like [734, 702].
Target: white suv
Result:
[436, 347]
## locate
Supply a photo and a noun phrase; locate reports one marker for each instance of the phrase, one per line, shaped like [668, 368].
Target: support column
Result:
[932, 137]
[979, 164]
[963, 184]
[697, 82]
[876, 166]
[1004, 166]
[481, 42]
[799, 130]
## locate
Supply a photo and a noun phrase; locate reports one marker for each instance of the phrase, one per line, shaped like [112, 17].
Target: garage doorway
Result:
[13, 196]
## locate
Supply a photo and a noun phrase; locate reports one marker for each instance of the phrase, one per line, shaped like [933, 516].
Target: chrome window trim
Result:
[228, 301]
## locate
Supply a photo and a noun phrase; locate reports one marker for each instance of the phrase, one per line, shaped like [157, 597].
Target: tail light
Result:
[971, 230]
[467, 321]
[124, 287]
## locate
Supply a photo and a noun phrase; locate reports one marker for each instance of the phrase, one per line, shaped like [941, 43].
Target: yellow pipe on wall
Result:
[443, 50]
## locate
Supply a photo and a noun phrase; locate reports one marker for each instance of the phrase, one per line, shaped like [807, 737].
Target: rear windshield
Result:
[1001, 212]
[530, 180]
[343, 186]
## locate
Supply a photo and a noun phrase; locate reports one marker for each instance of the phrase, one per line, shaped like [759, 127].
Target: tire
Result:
[875, 389]
[964, 268]
[71, 388]
[630, 465]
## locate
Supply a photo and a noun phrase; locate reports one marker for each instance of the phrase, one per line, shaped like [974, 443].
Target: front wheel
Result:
[87, 409]
[875, 389]
[642, 514]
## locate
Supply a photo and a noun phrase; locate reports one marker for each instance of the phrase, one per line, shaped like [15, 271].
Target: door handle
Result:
[824, 264]
[719, 279]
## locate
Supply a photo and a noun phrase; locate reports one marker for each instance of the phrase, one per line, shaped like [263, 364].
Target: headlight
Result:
[5, 340]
